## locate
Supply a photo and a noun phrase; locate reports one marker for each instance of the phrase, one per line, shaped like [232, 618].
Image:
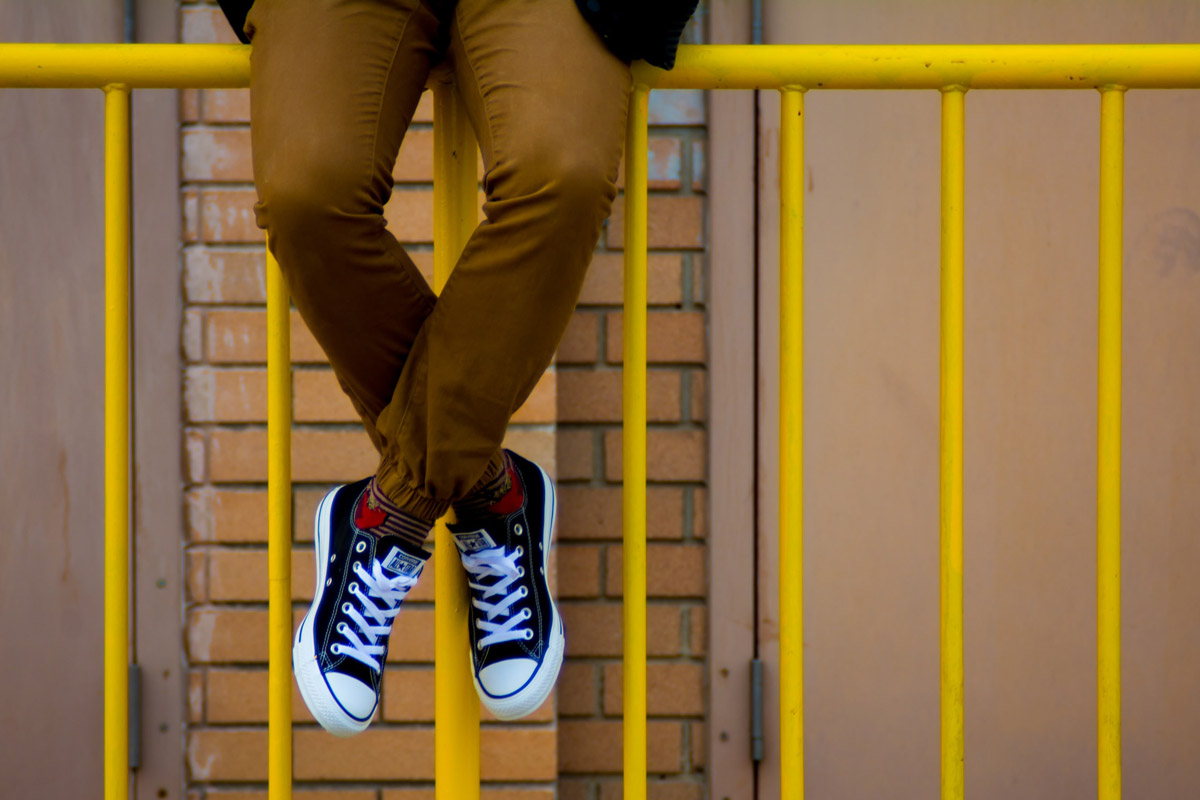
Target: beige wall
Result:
[871, 536]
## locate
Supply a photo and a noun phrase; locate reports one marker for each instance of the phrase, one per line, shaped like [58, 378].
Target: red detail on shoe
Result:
[369, 514]
[513, 500]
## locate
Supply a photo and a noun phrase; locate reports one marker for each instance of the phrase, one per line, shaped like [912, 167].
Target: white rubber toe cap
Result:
[505, 677]
[353, 695]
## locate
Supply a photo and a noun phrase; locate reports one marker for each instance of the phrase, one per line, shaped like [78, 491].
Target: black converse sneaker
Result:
[341, 644]
[516, 632]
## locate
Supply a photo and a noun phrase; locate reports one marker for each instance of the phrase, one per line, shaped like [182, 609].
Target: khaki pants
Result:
[334, 86]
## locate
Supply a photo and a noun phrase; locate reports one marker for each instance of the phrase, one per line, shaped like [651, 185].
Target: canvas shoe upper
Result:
[341, 644]
[516, 632]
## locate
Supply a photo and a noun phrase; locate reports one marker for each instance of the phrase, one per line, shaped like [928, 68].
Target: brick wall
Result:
[571, 424]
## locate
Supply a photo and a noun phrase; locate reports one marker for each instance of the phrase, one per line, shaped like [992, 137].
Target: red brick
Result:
[217, 154]
[580, 343]
[578, 570]
[409, 215]
[656, 790]
[699, 166]
[226, 105]
[412, 636]
[190, 210]
[590, 512]
[300, 794]
[227, 215]
[227, 515]
[224, 276]
[595, 395]
[518, 754]
[699, 748]
[673, 455]
[700, 513]
[215, 754]
[240, 695]
[595, 630]
[604, 284]
[191, 335]
[673, 223]
[318, 456]
[408, 695]
[575, 457]
[671, 336]
[673, 689]
[541, 404]
[195, 454]
[577, 689]
[241, 575]
[664, 163]
[195, 696]
[225, 395]
[699, 390]
[238, 336]
[227, 634]
[536, 444]
[596, 746]
[317, 397]
[189, 105]
[377, 754]
[672, 570]
[304, 509]
[196, 578]
[205, 25]
[697, 631]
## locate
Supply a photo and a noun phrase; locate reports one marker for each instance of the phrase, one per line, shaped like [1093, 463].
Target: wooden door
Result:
[871, 426]
[52, 418]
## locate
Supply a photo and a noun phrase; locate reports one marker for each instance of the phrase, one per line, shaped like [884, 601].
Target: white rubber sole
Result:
[320, 701]
[530, 698]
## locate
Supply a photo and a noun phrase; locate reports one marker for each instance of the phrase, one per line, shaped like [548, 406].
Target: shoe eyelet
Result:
[526, 614]
[336, 649]
[520, 572]
[358, 548]
[353, 588]
[524, 591]
[341, 628]
[520, 550]
[528, 635]
[345, 608]
[479, 645]
[518, 529]
[333, 558]
[329, 582]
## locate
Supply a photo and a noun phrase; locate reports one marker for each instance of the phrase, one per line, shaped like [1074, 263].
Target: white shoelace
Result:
[381, 587]
[495, 563]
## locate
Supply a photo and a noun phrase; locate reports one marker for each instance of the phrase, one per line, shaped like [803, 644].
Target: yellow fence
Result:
[792, 70]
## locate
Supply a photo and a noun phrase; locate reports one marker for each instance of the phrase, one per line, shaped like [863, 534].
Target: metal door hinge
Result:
[756, 709]
[135, 716]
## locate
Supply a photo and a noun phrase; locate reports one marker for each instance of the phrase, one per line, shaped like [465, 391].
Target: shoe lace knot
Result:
[497, 597]
[380, 603]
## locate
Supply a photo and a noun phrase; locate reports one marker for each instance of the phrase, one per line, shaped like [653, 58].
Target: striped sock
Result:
[378, 515]
[501, 495]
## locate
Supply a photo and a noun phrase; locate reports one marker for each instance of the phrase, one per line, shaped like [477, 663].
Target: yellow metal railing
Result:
[793, 70]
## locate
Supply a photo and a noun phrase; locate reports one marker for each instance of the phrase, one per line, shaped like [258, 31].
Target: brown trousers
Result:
[334, 84]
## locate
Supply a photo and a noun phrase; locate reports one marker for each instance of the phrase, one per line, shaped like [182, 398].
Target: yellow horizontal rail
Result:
[981, 66]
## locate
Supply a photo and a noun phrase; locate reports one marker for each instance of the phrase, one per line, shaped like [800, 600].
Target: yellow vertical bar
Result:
[456, 706]
[951, 462]
[279, 536]
[1108, 451]
[791, 443]
[634, 447]
[116, 442]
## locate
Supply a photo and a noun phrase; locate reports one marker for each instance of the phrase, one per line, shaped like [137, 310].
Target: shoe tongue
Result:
[474, 541]
[399, 562]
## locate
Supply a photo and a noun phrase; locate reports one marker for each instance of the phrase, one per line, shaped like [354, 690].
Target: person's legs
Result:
[333, 85]
[333, 88]
[548, 103]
